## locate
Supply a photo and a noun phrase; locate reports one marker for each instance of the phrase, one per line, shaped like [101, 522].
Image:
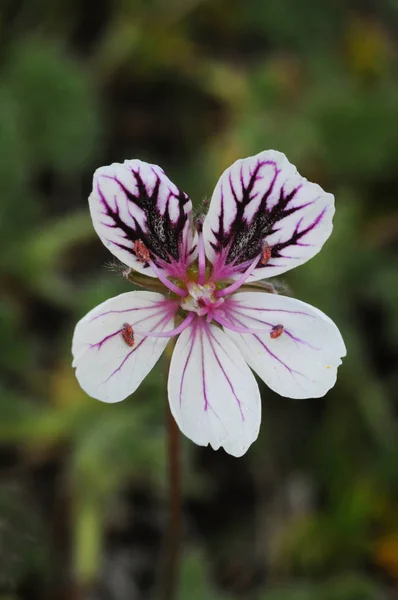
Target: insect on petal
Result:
[110, 356]
[139, 213]
[298, 348]
[262, 206]
[213, 395]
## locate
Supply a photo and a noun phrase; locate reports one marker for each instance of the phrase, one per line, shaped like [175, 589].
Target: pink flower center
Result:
[201, 299]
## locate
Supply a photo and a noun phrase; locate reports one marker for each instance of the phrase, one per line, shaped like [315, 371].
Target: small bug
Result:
[266, 254]
[276, 331]
[128, 334]
[141, 251]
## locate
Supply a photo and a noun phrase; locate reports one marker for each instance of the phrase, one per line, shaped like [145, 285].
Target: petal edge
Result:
[213, 395]
[262, 202]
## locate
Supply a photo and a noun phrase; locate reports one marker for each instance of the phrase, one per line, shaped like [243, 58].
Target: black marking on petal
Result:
[244, 239]
[162, 236]
[294, 240]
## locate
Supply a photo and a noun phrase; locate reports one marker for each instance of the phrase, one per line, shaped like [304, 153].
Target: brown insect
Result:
[128, 334]
[266, 254]
[141, 251]
[276, 331]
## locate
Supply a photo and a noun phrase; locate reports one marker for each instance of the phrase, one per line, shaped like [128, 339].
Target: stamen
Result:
[201, 253]
[169, 284]
[266, 254]
[141, 251]
[172, 332]
[236, 285]
[275, 331]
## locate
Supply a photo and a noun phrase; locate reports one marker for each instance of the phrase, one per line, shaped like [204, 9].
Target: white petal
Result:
[263, 200]
[107, 368]
[213, 395]
[136, 201]
[303, 361]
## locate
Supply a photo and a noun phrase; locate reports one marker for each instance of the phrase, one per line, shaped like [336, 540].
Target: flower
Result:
[263, 219]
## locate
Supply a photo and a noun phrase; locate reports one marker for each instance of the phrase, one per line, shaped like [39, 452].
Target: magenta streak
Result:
[166, 318]
[300, 341]
[291, 371]
[187, 361]
[201, 259]
[99, 344]
[160, 304]
[174, 268]
[239, 282]
[108, 337]
[296, 339]
[233, 327]
[243, 330]
[211, 336]
[172, 332]
[233, 303]
[203, 370]
[188, 358]
[169, 284]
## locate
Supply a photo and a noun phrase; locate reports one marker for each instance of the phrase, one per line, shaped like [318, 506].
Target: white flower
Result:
[264, 219]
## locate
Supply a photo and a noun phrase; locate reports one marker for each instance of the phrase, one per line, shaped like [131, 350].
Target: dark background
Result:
[311, 512]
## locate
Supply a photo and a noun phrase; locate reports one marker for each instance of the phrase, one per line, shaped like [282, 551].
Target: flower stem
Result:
[172, 542]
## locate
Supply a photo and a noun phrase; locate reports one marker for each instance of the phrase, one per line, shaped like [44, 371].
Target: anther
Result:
[128, 334]
[276, 331]
[141, 251]
[266, 254]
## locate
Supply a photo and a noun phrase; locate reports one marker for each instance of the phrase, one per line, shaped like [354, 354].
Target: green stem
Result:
[172, 542]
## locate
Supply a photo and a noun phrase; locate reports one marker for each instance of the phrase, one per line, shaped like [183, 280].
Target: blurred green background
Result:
[311, 512]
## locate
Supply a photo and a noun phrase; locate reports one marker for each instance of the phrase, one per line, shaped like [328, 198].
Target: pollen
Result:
[266, 254]
[128, 334]
[276, 331]
[141, 251]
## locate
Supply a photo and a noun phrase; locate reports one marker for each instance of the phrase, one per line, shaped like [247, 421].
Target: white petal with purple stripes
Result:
[302, 361]
[136, 201]
[213, 395]
[263, 201]
[107, 368]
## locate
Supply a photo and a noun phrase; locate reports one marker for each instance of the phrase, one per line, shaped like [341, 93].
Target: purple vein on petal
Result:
[125, 310]
[242, 314]
[279, 360]
[203, 370]
[211, 336]
[286, 331]
[108, 337]
[300, 341]
[243, 306]
[162, 321]
[153, 314]
[105, 339]
[192, 340]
